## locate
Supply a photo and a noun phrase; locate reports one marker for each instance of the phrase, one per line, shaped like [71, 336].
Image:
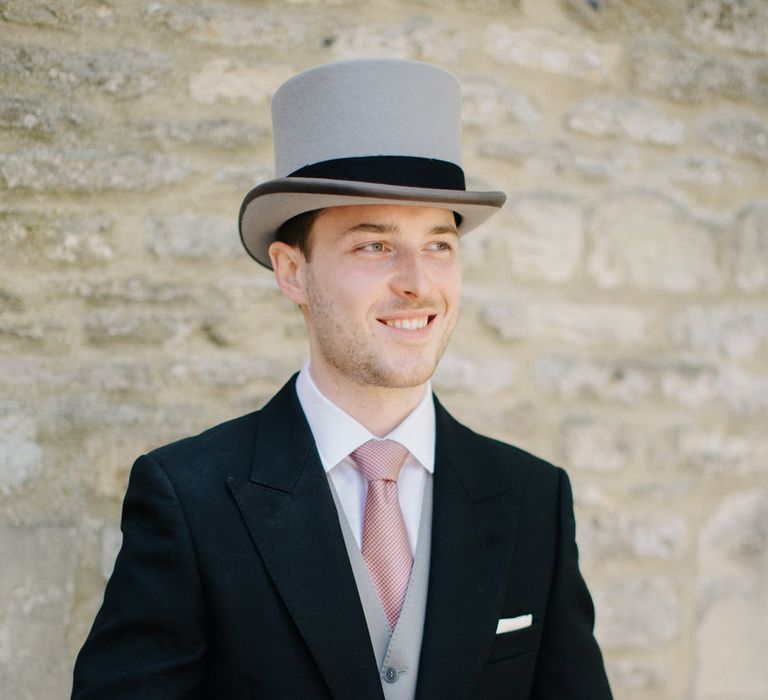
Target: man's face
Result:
[380, 293]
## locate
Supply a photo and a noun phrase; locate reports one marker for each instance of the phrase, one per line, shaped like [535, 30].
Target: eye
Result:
[440, 245]
[373, 247]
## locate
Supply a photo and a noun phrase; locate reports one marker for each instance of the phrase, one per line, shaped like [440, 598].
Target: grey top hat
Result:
[373, 131]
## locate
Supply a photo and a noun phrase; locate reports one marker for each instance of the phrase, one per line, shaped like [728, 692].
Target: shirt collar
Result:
[337, 434]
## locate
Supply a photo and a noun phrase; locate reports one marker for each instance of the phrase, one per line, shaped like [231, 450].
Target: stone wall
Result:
[616, 314]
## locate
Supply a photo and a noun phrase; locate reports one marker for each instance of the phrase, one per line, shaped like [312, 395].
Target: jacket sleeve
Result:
[148, 639]
[569, 663]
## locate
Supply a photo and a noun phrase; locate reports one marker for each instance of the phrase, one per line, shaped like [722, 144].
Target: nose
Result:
[411, 278]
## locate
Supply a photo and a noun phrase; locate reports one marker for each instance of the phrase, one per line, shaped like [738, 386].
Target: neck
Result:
[379, 409]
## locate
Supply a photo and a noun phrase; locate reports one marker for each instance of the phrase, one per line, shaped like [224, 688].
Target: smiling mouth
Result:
[408, 324]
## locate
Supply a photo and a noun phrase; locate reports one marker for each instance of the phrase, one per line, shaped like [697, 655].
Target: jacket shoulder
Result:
[228, 445]
[496, 461]
[228, 449]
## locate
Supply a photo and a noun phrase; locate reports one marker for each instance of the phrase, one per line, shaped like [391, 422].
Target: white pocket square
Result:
[510, 624]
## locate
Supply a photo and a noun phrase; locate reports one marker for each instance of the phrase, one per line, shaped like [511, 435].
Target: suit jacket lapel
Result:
[473, 532]
[288, 509]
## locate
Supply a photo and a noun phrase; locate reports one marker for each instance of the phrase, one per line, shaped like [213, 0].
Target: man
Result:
[352, 540]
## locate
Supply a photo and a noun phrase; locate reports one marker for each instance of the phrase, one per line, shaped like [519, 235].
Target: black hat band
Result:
[404, 171]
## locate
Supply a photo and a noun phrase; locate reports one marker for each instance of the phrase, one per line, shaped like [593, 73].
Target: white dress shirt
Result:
[337, 435]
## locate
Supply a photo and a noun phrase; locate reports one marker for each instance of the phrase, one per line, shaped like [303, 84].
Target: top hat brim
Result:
[269, 205]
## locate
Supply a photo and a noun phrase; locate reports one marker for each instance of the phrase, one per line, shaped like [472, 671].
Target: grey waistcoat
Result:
[397, 651]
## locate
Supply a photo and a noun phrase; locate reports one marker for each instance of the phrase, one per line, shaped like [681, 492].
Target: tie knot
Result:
[380, 459]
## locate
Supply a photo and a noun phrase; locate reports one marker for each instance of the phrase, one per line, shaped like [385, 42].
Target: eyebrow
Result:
[445, 229]
[391, 228]
[373, 228]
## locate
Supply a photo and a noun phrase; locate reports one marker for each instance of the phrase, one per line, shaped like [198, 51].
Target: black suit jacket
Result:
[233, 579]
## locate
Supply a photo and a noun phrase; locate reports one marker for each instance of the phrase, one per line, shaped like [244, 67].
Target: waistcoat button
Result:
[391, 675]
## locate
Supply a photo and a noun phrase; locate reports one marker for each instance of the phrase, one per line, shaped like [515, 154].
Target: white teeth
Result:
[409, 324]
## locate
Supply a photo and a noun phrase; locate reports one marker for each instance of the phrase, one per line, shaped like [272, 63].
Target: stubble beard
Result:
[349, 351]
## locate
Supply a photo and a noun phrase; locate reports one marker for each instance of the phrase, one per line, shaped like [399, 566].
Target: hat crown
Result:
[362, 108]
[364, 132]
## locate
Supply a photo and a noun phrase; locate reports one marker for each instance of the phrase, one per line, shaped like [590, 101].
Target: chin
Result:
[402, 377]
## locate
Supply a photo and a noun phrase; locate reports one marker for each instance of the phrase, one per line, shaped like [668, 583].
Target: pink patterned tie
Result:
[386, 550]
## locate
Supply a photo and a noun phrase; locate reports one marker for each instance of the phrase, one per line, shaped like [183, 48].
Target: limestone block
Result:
[416, 37]
[111, 541]
[760, 77]
[732, 624]
[447, 46]
[55, 13]
[37, 117]
[76, 170]
[192, 236]
[481, 377]
[752, 252]
[621, 18]
[101, 374]
[68, 413]
[120, 72]
[642, 612]
[628, 117]
[36, 597]
[112, 442]
[227, 26]
[738, 136]
[644, 240]
[245, 329]
[10, 301]
[244, 177]
[524, 318]
[691, 384]
[487, 104]
[661, 67]
[518, 421]
[232, 372]
[114, 375]
[137, 289]
[227, 79]
[744, 392]
[711, 171]
[558, 158]
[216, 133]
[117, 326]
[603, 379]
[324, 3]
[573, 55]
[687, 383]
[21, 372]
[733, 330]
[542, 238]
[732, 24]
[695, 385]
[21, 457]
[374, 41]
[608, 536]
[709, 451]
[636, 679]
[595, 444]
[34, 237]
[38, 332]
[47, 14]
[489, 5]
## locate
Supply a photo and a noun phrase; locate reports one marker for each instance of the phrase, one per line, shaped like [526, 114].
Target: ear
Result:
[288, 262]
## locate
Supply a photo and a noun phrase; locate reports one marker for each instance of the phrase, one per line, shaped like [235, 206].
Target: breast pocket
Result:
[508, 672]
[511, 644]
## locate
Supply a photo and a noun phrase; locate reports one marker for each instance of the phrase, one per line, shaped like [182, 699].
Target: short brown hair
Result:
[296, 231]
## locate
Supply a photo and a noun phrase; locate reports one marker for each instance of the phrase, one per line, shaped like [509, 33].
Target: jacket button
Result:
[391, 675]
